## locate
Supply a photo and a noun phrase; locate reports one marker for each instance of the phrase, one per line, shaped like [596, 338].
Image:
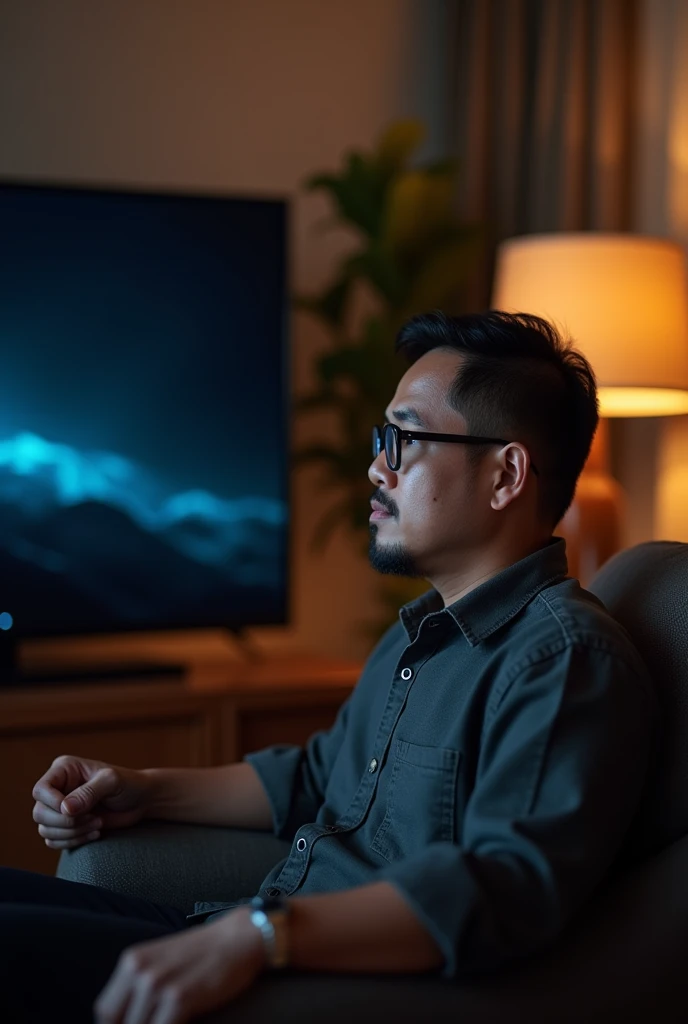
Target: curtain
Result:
[543, 98]
[661, 511]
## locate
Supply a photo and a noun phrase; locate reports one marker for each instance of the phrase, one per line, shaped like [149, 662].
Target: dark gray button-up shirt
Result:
[487, 764]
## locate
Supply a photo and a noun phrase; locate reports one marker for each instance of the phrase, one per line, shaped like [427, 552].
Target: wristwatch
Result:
[270, 915]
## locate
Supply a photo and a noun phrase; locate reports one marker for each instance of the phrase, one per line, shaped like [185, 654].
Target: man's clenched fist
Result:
[77, 798]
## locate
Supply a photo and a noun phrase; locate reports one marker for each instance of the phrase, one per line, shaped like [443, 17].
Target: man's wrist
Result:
[154, 788]
[270, 916]
[238, 923]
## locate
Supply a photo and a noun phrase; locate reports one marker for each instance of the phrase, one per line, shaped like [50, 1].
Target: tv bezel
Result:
[164, 190]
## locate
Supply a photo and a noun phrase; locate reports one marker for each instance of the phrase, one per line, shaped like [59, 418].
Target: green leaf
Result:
[330, 305]
[377, 265]
[373, 369]
[317, 400]
[419, 207]
[440, 276]
[448, 167]
[397, 143]
[358, 192]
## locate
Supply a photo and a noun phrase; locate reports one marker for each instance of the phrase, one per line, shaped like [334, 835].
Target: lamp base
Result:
[593, 525]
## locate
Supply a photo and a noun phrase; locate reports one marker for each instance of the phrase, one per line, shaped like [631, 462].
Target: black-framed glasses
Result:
[390, 437]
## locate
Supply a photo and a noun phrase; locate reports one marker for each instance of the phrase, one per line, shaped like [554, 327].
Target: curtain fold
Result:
[543, 96]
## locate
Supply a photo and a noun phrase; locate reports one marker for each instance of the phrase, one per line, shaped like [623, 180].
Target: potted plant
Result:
[412, 255]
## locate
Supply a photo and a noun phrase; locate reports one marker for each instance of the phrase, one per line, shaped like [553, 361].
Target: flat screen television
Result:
[143, 411]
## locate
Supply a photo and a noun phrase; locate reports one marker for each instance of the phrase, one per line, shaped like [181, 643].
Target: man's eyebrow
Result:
[408, 416]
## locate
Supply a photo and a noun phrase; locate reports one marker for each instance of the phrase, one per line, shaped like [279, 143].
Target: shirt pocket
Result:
[421, 800]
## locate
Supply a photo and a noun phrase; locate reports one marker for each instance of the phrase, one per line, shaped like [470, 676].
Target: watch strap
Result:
[270, 917]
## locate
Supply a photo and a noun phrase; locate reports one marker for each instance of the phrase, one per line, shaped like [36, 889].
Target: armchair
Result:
[622, 959]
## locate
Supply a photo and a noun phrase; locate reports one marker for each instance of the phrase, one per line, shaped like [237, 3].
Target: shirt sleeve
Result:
[561, 770]
[295, 778]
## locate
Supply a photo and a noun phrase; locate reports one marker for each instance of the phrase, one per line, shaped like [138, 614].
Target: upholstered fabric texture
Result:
[176, 864]
[646, 589]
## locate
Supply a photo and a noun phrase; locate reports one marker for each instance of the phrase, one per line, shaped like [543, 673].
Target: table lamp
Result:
[622, 299]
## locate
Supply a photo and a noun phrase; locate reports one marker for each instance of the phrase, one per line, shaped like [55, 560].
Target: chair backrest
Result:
[645, 588]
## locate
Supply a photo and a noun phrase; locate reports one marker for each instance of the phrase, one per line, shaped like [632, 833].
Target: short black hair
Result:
[519, 379]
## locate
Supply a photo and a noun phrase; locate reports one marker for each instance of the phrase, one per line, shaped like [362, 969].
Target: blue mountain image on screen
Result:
[92, 537]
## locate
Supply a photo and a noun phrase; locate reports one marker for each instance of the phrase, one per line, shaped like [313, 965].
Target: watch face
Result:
[259, 917]
[269, 903]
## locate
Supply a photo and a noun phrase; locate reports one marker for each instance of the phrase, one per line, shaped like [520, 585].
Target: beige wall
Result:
[240, 95]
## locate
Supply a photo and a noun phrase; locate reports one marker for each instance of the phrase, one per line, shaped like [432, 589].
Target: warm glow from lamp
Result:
[623, 301]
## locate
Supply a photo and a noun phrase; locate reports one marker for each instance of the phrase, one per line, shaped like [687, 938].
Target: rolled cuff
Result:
[280, 770]
[464, 920]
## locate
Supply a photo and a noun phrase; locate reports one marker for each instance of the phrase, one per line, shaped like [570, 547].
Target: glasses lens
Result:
[377, 441]
[392, 446]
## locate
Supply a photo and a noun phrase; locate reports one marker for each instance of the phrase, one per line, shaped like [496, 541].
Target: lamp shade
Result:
[622, 300]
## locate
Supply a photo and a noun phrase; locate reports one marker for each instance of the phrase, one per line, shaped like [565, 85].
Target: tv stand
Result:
[106, 667]
[8, 658]
[13, 676]
[249, 651]
[100, 672]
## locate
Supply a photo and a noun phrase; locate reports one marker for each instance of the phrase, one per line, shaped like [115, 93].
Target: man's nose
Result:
[380, 474]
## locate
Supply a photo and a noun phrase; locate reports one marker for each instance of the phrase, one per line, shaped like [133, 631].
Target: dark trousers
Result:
[60, 941]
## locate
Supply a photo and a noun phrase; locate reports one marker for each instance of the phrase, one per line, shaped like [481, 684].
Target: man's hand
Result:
[173, 980]
[77, 797]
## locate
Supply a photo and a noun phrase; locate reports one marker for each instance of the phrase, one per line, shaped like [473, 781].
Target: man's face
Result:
[429, 512]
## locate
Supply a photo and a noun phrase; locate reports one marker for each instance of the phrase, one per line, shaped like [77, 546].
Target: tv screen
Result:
[143, 411]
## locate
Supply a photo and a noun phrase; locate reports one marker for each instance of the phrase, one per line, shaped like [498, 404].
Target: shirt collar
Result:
[492, 604]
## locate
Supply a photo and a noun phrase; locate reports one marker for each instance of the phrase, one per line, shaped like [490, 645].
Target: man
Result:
[478, 784]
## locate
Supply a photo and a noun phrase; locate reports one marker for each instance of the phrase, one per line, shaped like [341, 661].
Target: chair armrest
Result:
[623, 959]
[176, 864]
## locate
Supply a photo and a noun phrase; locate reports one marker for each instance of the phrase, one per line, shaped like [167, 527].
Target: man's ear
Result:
[511, 475]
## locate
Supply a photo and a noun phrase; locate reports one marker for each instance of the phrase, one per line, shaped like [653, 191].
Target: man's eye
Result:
[410, 440]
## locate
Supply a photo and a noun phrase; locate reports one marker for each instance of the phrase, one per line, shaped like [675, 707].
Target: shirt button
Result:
[272, 892]
[372, 767]
[406, 673]
[301, 845]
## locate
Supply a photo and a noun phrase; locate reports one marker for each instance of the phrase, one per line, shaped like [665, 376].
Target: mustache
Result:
[388, 504]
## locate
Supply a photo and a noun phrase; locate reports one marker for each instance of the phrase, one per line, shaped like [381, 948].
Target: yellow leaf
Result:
[418, 204]
[398, 142]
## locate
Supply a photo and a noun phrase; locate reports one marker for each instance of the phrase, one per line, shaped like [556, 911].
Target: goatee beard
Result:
[392, 560]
